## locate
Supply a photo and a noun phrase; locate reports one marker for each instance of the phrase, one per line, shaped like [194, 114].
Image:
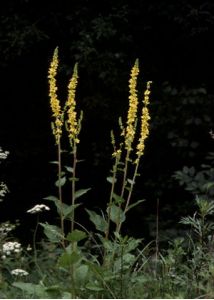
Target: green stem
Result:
[34, 245]
[125, 172]
[73, 185]
[60, 192]
[73, 290]
[130, 194]
[111, 194]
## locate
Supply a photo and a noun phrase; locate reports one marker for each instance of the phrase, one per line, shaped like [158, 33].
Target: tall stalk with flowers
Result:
[58, 116]
[144, 133]
[131, 122]
[73, 125]
[119, 204]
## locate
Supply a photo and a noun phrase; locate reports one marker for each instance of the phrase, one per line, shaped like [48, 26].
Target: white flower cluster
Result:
[3, 154]
[3, 190]
[11, 247]
[5, 228]
[38, 208]
[19, 272]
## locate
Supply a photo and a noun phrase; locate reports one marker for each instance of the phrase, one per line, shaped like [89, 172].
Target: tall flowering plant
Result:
[119, 204]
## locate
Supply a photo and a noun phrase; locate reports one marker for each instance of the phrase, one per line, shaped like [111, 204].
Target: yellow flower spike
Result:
[54, 102]
[73, 124]
[133, 103]
[145, 117]
[117, 152]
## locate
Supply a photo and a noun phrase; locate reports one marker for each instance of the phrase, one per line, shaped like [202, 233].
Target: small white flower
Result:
[38, 208]
[5, 228]
[11, 247]
[3, 190]
[3, 257]
[19, 272]
[29, 248]
[3, 154]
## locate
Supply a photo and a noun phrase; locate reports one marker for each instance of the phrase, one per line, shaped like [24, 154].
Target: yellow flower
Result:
[132, 112]
[145, 117]
[73, 126]
[54, 102]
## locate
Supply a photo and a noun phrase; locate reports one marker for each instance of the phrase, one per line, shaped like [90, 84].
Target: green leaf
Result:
[54, 291]
[81, 192]
[69, 169]
[132, 182]
[99, 222]
[61, 181]
[81, 273]
[135, 204]
[52, 232]
[68, 259]
[116, 214]
[76, 236]
[118, 199]
[31, 289]
[55, 162]
[68, 209]
[111, 179]
[51, 198]
[207, 186]
[66, 295]
[93, 287]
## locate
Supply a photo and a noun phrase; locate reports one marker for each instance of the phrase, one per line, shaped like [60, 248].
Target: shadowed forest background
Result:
[174, 45]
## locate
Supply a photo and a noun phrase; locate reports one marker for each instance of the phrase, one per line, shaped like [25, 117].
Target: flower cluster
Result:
[38, 208]
[54, 102]
[19, 272]
[72, 124]
[5, 228]
[11, 247]
[145, 117]
[132, 112]
[3, 154]
[3, 190]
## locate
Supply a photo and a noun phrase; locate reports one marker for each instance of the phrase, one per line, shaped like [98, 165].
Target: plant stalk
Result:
[60, 191]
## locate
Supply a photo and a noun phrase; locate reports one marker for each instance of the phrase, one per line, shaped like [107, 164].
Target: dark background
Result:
[174, 43]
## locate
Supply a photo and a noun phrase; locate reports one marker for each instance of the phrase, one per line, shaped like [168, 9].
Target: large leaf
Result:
[116, 214]
[52, 232]
[99, 222]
